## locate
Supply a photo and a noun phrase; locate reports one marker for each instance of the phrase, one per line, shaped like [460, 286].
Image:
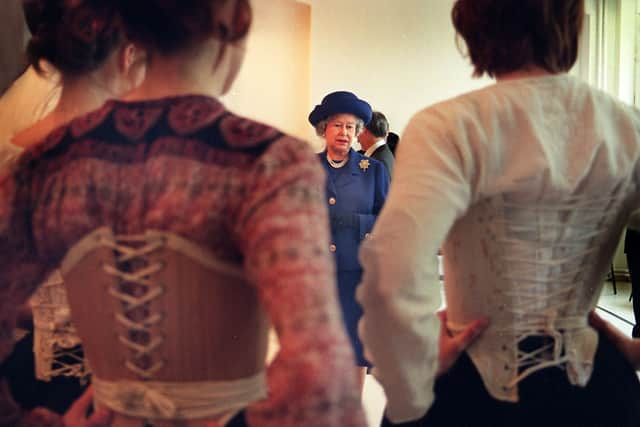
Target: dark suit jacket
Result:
[384, 154]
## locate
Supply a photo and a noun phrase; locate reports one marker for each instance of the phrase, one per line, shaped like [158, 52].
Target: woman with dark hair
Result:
[526, 186]
[183, 232]
[83, 43]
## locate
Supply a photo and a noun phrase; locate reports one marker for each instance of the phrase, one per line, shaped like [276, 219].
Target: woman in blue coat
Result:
[356, 189]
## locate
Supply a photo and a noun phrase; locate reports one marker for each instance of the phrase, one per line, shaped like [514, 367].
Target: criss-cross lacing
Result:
[56, 345]
[135, 291]
[135, 266]
[545, 253]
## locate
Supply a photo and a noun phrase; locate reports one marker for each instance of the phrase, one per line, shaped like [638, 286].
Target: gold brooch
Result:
[364, 164]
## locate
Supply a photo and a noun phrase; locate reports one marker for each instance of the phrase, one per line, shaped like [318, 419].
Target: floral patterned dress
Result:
[246, 192]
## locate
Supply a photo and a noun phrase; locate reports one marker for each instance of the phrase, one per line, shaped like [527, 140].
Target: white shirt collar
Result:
[374, 147]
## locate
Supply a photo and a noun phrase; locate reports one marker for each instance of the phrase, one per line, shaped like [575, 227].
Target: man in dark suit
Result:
[373, 140]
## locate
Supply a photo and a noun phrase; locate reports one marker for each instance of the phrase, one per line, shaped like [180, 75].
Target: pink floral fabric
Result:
[249, 193]
[133, 122]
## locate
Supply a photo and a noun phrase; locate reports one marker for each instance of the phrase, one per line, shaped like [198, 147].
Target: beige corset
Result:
[171, 332]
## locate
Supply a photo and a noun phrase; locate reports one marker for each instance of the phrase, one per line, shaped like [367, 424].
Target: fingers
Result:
[607, 328]
[78, 410]
[442, 314]
[452, 346]
[100, 418]
[76, 415]
[41, 417]
[469, 334]
[596, 321]
[464, 338]
[84, 402]
[629, 347]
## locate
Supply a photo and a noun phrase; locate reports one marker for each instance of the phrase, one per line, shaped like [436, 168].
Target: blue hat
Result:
[341, 103]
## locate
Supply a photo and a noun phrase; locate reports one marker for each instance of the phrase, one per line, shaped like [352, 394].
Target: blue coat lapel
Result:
[331, 185]
[342, 180]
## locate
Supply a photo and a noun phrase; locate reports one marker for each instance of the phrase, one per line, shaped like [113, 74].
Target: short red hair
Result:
[507, 35]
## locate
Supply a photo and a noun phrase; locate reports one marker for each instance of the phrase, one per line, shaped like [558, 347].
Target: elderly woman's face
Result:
[340, 134]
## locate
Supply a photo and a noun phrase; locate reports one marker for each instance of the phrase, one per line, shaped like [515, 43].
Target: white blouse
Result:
[526, 185]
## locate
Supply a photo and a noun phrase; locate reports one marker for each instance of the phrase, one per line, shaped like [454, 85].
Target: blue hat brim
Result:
[341, 102]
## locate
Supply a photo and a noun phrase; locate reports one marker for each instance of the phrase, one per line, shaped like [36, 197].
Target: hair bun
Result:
[171, 25]
[75, 37]
[34, 13]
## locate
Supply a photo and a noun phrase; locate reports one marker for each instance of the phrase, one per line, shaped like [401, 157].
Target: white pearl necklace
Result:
[337, 165]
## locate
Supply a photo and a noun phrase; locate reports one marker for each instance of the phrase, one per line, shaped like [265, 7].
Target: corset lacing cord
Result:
[537, 302]
[56, 344]
[76, 366]
[146, 398]
[130, 302]
[58, 347]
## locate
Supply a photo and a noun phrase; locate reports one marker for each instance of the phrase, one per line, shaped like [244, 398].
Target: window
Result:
[608, 47]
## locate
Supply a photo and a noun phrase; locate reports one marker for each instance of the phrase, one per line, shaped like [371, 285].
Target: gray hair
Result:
[321, 126]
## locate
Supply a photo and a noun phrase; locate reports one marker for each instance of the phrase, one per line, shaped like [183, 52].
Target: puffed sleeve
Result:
[400, 290]
[283, 230]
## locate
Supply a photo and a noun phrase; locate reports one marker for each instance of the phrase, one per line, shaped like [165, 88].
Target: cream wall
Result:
[12, 38]
[273, 85]
[399, 55]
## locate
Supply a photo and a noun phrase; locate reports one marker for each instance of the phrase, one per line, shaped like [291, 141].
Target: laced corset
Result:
[154, 347]
[536, 270]
[168, 322]
[56, 345]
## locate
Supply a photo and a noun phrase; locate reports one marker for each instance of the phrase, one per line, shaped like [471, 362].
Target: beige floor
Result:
[617, 308]
[373, 400]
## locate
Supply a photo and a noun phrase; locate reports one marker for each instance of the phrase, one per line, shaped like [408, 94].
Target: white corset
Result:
[56, 345]
[172, 332]
[536, 270]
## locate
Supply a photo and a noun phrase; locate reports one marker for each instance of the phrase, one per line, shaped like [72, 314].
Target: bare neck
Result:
[366, 143]
[338, 155]
[524, 73]
[78, 96]
[190, 72]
